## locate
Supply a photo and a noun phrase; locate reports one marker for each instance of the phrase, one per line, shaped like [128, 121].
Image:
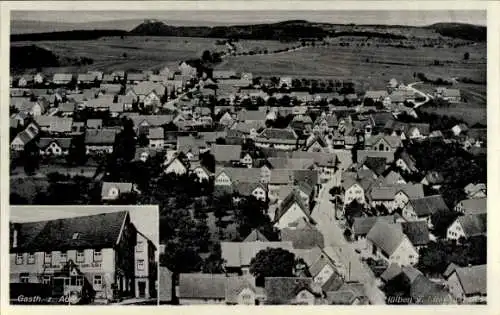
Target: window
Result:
[97, 280]
[140, 246]
[75, 236]
[140, 264]
[97, 255]
[63, 257]
[79, 281]
[31, 258]
[24, 277]
[48, 258]
[46, 279]
[19, 258]
[80, 256]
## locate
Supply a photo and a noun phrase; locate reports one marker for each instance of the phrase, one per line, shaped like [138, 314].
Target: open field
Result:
[258, 45]
[370, 67]
[142, 53]
[472, 110]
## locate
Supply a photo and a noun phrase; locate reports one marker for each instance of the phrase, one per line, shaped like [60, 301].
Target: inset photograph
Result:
[83, 255]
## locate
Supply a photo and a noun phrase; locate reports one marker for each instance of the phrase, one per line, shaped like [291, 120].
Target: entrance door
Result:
[142, 289]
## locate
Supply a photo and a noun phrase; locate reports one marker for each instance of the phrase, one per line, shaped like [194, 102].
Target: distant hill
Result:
[286, 30]
[67, 35]
[461, 30]
[275, 31]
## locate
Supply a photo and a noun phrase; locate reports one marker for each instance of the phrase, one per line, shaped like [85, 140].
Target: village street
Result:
[427, 97]
[337, 246]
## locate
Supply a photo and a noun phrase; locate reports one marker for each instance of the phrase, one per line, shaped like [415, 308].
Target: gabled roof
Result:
[388, 155]
[250, 115]
[290, 163]
[247, 188]
[64, 143]
[427, 292]
[238, 254]
[376, 164]
[320, 158]
[473, 224]
[94, 231]
[292, 198]
[474, 206]
[391, 272]
[234, 286]
[240, 174]
[226, 152]
[151, 120]
[413, 191]
[55, 124]
[255, 236]
[363, 225]
[275, 133]
[428, 205]
[449, 270]
[393, 141]
[156, 133]
[146, 87]
[283, 290]
[472, 279]
[417, 232]
[386, 236]
[101, 136]
[136, 76]
[202, 286]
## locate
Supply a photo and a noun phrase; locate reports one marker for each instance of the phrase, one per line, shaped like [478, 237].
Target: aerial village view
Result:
[287, 161]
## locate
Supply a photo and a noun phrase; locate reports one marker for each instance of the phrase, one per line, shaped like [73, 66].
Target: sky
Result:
[145, 218]
[416, 18]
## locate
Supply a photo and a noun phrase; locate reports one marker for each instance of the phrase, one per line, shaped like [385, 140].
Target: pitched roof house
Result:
[390, 243]
[468, 284]
[238, 255]
[423, 208]
[303, 235]
[468, 225]
[290, 291]
[472, 206]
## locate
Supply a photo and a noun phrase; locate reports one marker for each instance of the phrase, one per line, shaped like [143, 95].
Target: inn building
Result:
[103, 254]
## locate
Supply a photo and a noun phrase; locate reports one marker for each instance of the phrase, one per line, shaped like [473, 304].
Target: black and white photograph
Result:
[80, 255]
[306, 157]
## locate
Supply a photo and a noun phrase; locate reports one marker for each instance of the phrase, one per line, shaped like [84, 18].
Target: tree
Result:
[206, 56]
[466, 56]
[207, 160]
[272, 262]
[441, 220]
[353, 210]
[180, 259]
[214, 262]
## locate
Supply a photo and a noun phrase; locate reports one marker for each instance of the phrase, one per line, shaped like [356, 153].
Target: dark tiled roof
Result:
[226, 152]
[391, 272]
[283, 290]
[363, 225]
[376, 164]
[94, 231]
[293, 197]
[428, 205]
[473, 279]
[386, 236]
[275, 133]
[234, 286]
[102, 136]
[202, 286]
[417, 232]
[473, 224]
[425, 291]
